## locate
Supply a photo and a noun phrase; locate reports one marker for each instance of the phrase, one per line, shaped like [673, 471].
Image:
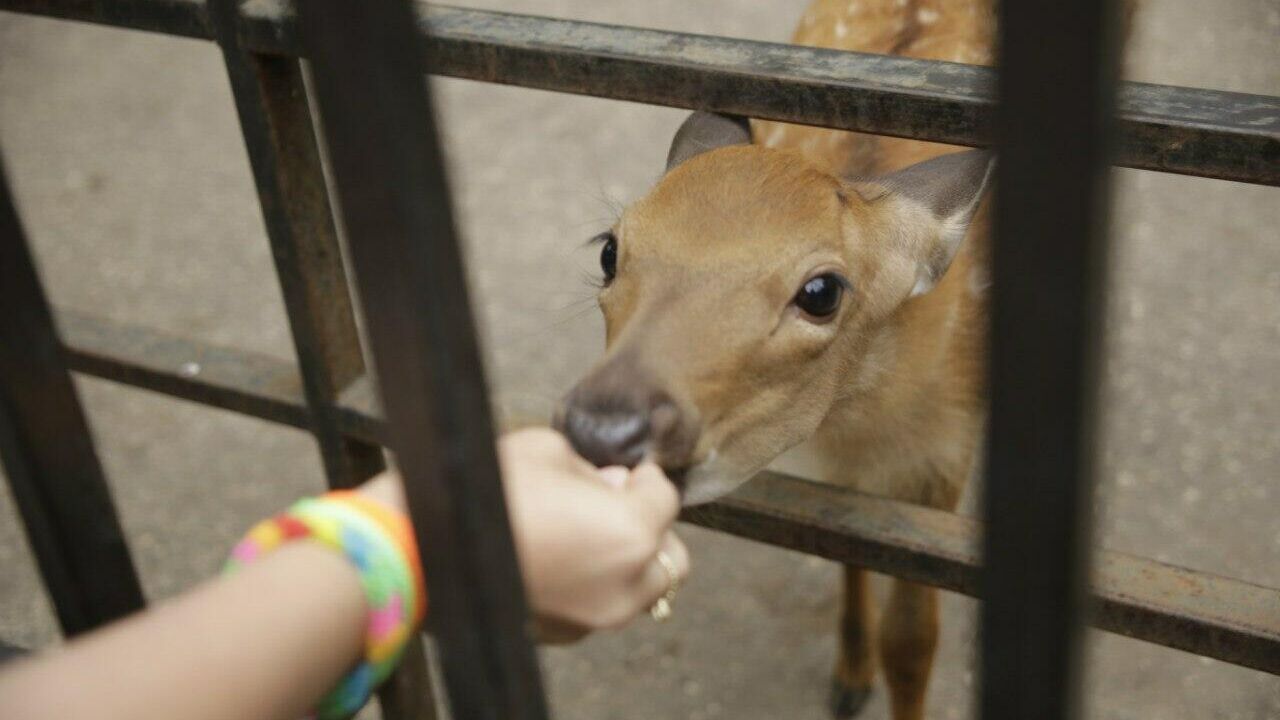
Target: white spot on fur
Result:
[979, 281]
[924, 283]
[927, 16]
[842, 28]
[953, 231]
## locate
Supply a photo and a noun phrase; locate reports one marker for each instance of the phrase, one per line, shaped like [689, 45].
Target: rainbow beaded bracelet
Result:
[379, 542]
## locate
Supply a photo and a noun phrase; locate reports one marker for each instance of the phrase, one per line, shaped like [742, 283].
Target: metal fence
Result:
[368, 58]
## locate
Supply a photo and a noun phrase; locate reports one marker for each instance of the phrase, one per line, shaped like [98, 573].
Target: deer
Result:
[792, 290]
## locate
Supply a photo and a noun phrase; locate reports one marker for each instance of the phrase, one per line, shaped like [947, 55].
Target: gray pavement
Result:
[135, 187]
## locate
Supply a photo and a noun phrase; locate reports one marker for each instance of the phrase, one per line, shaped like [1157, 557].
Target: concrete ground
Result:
[134, 186]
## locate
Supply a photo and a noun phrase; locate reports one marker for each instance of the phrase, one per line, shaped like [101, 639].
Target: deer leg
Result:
[855, 667]
[908, 638]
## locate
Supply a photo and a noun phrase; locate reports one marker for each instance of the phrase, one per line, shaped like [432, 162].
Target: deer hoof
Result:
[845, 701]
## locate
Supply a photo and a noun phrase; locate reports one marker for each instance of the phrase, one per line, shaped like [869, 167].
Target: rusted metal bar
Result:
[390, 180]
[271, 100]
[49, 458]
[1233, 136]
[1231, 620]
[1179, 130]
[1046, 350]
[1218, 617]
[184, 18]
[261, 386]
[275, 119]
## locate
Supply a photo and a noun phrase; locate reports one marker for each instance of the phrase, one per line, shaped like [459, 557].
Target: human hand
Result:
[588, 540]
[588, 547]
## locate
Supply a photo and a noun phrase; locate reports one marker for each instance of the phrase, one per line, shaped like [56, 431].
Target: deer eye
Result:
[819, 297]
[608, 255]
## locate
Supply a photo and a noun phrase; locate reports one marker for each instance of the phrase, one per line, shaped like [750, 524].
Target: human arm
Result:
[268, 641]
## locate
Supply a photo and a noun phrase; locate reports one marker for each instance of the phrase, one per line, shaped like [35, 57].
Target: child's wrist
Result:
[376, 539]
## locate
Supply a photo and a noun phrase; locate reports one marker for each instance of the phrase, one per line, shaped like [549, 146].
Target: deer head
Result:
[748, 293]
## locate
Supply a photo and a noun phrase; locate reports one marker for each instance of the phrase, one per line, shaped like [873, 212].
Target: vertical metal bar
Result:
[389, 174]
[271, 101]
[1054, 128]
[48, 452]
[275, 118]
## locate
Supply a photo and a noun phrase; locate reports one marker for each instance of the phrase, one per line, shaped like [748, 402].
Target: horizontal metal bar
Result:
[258, 385]
[184, 18]
[1211, 133]
[1180, 130]
[1222, 618]
[1205, 614]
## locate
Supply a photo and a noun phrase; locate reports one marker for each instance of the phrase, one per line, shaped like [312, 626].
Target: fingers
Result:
[615, 476]
[545, 449]
[657, 578]
[653, 496]
[624, 516]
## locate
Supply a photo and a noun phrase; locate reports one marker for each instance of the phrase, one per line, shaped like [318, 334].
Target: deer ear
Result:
[703, 131]
[948, 188]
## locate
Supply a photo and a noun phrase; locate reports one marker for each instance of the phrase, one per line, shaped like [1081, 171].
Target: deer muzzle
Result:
[618, 415]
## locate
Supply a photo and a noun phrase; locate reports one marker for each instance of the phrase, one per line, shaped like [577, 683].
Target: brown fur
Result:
[693, 305]
[888, 395]
[889, 391]
[914, 436]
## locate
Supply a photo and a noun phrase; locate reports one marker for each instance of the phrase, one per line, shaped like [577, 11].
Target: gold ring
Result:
[661, 610]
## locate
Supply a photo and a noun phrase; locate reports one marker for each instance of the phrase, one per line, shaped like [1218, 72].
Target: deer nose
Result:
[606, 436]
